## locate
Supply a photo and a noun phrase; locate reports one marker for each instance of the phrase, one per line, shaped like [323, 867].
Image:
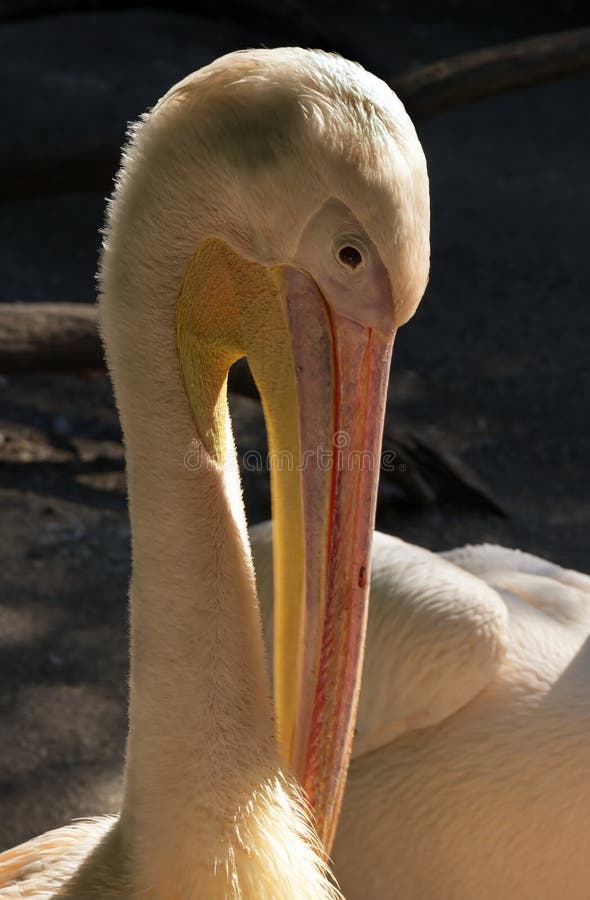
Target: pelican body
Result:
[272, 205]
[470, 773]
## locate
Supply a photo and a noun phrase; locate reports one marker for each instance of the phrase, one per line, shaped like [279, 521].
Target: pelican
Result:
[470, 773]
[274, 204]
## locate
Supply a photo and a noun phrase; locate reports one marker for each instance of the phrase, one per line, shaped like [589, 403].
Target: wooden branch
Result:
[51, 337]
[493, 70]
[425, 91]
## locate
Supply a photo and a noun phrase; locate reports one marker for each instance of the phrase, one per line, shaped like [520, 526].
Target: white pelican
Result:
[470, 774]
[274, 205]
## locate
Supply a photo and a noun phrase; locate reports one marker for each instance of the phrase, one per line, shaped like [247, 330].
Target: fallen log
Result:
[50, 337]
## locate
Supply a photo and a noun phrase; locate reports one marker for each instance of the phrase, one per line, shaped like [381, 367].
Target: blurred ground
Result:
[495, 366]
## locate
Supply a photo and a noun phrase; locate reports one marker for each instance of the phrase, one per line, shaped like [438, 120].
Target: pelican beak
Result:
[341, 371]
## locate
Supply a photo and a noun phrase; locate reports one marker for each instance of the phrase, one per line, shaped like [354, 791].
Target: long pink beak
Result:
[341, 375]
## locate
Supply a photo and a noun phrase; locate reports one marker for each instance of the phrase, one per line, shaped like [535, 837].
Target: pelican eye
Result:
[350, 256]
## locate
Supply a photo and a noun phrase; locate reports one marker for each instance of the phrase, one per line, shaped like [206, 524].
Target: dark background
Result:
[495, 367]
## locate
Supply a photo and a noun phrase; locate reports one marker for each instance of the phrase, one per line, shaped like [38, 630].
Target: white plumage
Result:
[470, 777]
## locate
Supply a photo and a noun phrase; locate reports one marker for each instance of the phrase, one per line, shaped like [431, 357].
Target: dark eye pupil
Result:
[350, 256]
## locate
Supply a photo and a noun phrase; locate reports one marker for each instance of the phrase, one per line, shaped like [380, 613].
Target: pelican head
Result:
[293, 229]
